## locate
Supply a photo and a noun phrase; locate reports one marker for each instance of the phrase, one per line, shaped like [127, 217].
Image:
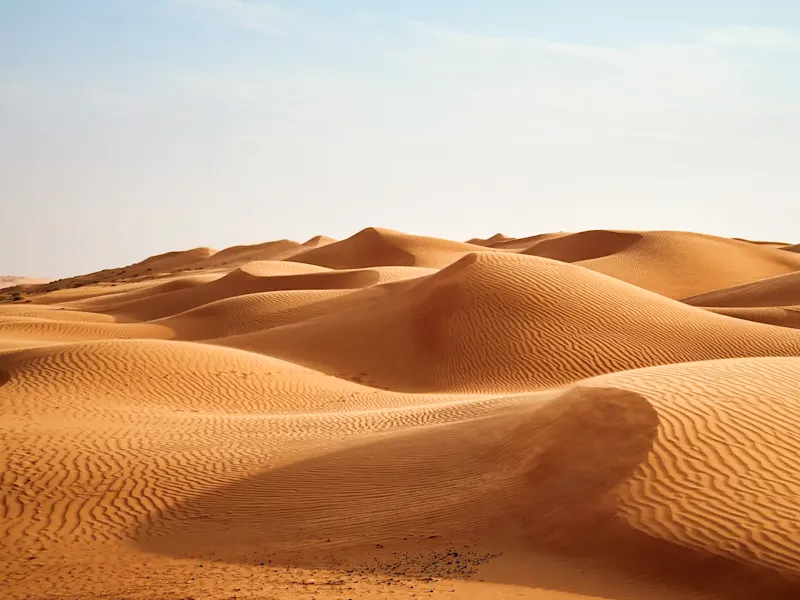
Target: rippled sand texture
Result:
[601, 414]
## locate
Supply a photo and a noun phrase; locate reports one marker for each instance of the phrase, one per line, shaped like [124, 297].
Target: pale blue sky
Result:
[134, 127]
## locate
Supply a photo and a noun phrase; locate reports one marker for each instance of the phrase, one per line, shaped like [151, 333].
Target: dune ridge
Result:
[560, 416]
[721, 475]
[781, 290]
[782, 316]
[550, 321]
[651, 259]
[376, 247]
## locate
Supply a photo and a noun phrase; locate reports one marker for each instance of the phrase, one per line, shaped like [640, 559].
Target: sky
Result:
[134, 127]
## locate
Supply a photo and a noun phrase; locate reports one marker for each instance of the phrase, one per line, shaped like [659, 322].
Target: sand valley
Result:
[566, 416]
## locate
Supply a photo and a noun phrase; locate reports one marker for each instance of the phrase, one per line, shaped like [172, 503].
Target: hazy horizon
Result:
[129, 129]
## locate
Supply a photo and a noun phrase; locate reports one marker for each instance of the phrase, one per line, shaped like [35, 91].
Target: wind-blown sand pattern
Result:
[600, 414]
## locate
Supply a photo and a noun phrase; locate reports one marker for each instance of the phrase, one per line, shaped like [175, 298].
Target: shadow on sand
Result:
[441, 501]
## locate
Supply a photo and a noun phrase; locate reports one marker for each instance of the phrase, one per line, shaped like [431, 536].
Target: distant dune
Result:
[561, 416]
[384, 247]
[780, 290]
[501, 323]
[654, 259]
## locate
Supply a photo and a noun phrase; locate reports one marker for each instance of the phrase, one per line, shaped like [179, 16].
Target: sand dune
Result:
[676, 464]
[99, 298]
[674, 264]
[148, 268]
[31, 328]
[239, 255]
[585, 245]
[782, 290]
[524, 243]
[169, 375]
[171, 261]
[502, 242]
[782, 316]
[374, 247]
[51, 313]
[774, 300]
[495, 239]
[552, 323]
[261, 276]
[763, 242]
[251, 313]
[403, 416]
[317, 241]
[722, 473]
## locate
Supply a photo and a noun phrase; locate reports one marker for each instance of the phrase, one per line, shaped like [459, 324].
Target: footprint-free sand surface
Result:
[601, 414]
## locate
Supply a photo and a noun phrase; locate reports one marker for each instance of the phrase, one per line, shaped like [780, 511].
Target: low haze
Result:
[129, 128]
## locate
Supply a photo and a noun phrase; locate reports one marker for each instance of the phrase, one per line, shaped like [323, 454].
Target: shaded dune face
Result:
[384, 247]
[594, 471]
[172, 261]
[511, 476]
[773, 300]
[237, 283]
[721, 475]
[497, 238]
[497, 323]
[256, 312]
[782, 316]
[672, 263]
[561, 416]
[239, 255]
[525, 243]
[584, 246]
[781, 290]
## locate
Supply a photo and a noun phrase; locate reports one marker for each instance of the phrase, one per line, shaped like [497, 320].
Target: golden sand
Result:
[566, 416]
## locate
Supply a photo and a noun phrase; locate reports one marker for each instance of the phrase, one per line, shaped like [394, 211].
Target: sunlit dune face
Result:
[600, 414]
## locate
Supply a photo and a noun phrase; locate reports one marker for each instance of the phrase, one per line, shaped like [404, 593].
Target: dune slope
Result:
[400, 416]
[782, 290]
[782, 316]
[662, 466]
[672, 263]
[373, 247]
[497, 322]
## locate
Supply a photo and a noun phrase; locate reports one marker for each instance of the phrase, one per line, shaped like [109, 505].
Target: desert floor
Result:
[603, 414]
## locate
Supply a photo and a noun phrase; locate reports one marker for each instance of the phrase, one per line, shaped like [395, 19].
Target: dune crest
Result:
[375, 247]
[238, 255]
[781, 316]
[585, 245]
[502, 323]
[781, 290]
[719, 455]
[561, 416]
[672, 263]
